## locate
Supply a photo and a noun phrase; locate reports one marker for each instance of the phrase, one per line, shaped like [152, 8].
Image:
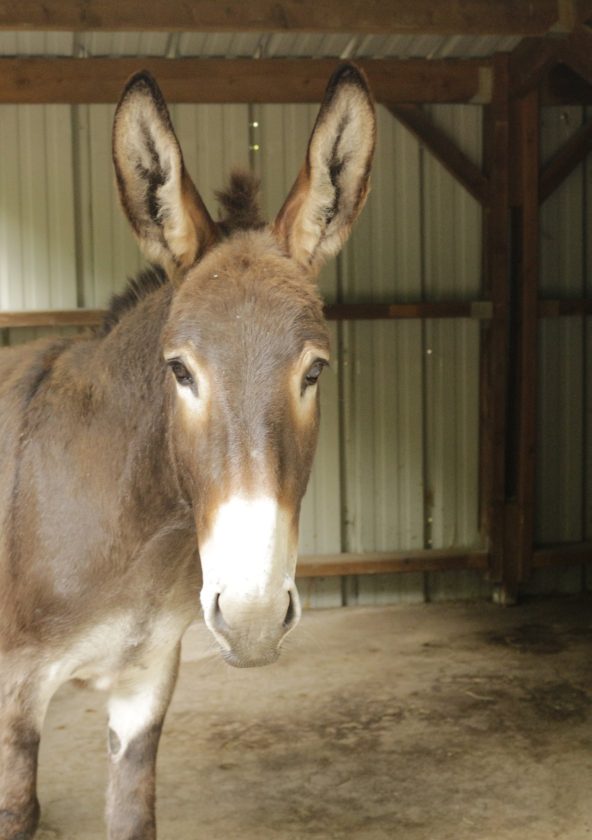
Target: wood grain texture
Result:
[333, 312]
[461, 17]
[495, 341]
[482, 310]
[197, 80]
[51, 318]
[383, 562]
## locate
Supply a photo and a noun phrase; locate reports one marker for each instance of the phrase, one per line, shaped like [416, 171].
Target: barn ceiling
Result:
[282, 28]
[438, 52]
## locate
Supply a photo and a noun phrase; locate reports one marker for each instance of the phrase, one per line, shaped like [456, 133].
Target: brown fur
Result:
[108, 487]
[148, 281]
[19, 807]
[240, 203]
[131, 796]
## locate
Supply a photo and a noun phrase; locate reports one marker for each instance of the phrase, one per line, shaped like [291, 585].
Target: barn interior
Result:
[454, 469]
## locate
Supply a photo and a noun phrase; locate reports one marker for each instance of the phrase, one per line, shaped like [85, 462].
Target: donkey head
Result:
[246, 343]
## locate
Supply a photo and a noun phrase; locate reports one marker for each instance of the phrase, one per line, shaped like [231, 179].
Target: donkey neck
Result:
[129, 358]
[130, 373]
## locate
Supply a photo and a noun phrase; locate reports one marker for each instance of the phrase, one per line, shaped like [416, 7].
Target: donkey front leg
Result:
[137, 707]
[21, 718]
[19, 807]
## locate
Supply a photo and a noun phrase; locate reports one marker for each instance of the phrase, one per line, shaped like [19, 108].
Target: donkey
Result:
[161, 460]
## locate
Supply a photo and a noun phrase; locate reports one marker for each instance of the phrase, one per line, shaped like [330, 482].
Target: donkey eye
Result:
[311, 377]
[180, 372]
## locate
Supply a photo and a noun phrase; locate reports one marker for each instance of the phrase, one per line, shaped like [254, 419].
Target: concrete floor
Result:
[436, 722]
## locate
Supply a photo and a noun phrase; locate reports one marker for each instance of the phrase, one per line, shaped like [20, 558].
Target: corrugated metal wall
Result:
[411, 388]
[397, 464]
[37, 233]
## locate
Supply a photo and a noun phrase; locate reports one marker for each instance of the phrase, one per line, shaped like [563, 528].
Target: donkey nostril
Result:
[291, 614]
[218, 619]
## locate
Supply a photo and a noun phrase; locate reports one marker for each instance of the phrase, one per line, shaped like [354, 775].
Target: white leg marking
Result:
[138, 701]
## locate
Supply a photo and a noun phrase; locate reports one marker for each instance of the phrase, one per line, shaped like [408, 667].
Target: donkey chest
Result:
[119, 645]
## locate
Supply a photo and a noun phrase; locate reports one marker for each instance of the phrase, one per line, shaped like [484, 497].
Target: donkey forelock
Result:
[239, 203]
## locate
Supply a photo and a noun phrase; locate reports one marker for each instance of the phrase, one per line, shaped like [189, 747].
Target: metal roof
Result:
[252, 45]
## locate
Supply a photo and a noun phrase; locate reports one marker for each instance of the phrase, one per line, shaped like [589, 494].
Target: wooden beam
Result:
[563, 86]
[565, 307]
[566, 554]
[443, 149]
[522, 525]
[385, 562]
[570, 155]
[431, 560]
[576, 52]
[458, 17]
[584, 11]
[210, 80]
[495, 338]
[531, 61]
[51, 318]
[480, 309]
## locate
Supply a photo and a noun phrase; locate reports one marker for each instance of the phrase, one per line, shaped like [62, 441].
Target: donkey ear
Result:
[163, 206]
[332, 186]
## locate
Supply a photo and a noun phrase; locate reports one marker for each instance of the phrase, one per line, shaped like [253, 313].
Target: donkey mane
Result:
[240, 211]
[149, 280]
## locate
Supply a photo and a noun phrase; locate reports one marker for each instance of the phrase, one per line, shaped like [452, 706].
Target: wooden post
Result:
[495, 336]
[522, 370]
[529, 156]
[508, 399]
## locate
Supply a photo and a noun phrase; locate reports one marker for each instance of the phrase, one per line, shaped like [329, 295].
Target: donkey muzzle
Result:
[250, 630]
